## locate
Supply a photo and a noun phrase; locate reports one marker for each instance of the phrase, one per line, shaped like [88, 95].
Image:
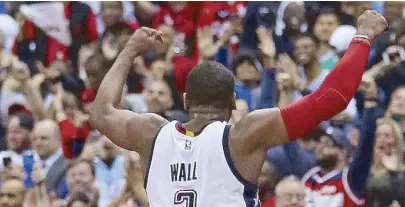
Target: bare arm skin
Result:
[252, 136]
[125, 128]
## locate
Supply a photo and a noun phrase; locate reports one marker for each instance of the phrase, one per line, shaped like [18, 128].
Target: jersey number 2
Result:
[187, 196]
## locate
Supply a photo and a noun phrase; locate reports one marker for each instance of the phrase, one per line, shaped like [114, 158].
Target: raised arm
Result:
[277, 126]
[360, 167]
[126, 129]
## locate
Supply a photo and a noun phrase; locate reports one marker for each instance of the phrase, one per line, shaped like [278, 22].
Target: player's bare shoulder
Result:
[259, 127]
[145, 126]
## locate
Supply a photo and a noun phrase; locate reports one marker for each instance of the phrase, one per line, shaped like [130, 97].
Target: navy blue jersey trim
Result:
[150, 157]
[250, 189]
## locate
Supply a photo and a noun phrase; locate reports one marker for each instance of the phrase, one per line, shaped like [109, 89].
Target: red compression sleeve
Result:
[333, 95]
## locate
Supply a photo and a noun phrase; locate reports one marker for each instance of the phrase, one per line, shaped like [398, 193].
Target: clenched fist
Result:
[371, 24]
[143, 40]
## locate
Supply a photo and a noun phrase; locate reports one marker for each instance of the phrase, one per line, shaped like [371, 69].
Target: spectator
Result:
[311, 70]
[222, 17]
[73, 122]
[267, 182]
[7, 59]
[290, 192]
[110, 172]
[96, 67]
[396, 107]
[171, 53]
[117, 31]
[325, 24]
[19, 130]
[293, 20]
[158, 97]
[305, 54]
[145, 10]
[82, 21]
[37, 196]
[111, 13]
[247, 73]
[348, 183]
[12, 193]
[47, 142]
[134, 190]
[180, 16]
[9, 29]
[80, 177]
[381, 44]
[258, 13]
[12, 89]
[133, 99]
[386, 183]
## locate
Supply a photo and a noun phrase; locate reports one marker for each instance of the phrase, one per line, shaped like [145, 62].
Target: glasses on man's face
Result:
[291, 196]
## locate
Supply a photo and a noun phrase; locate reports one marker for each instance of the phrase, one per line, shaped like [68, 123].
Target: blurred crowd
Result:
[278, 51]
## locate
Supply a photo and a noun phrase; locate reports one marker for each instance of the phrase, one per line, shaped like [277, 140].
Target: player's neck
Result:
[199, 120]
[208, 114]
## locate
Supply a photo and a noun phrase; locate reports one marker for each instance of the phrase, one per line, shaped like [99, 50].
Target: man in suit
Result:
[46, 141]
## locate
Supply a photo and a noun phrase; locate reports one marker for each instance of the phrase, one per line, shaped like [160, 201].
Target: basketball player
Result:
[205, 162]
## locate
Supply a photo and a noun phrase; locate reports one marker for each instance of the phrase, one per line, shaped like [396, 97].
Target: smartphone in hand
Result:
[28, 164]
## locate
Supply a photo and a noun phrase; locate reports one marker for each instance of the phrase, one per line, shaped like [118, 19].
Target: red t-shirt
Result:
[183, 66]
[209, 11]
[271, 202]
[182, 21]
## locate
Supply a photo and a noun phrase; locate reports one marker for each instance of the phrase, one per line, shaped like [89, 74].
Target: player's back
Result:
[189, 170]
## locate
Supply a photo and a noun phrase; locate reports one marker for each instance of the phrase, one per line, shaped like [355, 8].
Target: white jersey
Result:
[196, 170]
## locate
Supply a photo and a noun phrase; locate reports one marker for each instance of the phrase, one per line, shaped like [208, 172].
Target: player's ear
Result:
[234, 101]
[185, 101]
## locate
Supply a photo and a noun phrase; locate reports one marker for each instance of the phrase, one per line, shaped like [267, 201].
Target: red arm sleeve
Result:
[332, 96]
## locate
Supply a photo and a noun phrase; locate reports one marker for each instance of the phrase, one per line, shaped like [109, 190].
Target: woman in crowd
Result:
[396, 108]
[386, 184]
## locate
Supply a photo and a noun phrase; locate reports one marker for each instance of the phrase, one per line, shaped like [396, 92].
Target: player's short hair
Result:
[210, 84]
